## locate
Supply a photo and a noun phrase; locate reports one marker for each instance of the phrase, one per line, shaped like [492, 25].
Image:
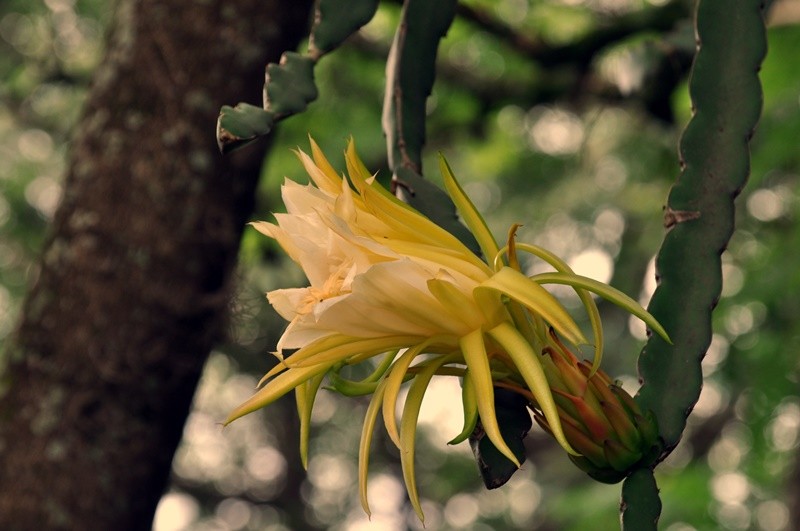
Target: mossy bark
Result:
[134, 280]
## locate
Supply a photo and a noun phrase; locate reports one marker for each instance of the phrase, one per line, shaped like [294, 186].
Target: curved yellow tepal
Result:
[394, 379]
[470, 403]
[529, 366]
[468, 212]
[305, 394]
[517, 286]
[366, 442]
[586, 299]
[408, 426]
[276, 388]
[607, 292]
[474, 351]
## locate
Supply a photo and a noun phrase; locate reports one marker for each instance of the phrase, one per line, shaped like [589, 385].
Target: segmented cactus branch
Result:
[289, 85]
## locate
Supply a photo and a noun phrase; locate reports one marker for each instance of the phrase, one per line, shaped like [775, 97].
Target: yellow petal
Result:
[320, 170]
[400, 216]
[530, 368]
[280, 236]
[321, 160]
[408, 427]
[276, 388]
[607, 292]
[517, 286]
[468, 265]
[392, 298]
[355, 167]
[367, 430]
[469, 213]
[474, 352]
[456, 302]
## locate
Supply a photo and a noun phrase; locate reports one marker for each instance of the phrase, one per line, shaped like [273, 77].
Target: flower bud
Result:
[600, 419]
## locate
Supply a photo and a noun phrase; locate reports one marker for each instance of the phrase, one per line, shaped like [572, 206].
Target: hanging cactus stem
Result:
[289, 85]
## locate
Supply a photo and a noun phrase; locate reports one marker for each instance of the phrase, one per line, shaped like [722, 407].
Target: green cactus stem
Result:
[410, 73]
[640, 506]
[699, 219]
[335, 21]
[289, 85]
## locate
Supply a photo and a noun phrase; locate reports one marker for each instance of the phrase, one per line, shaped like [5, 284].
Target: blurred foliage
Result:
[575, 145]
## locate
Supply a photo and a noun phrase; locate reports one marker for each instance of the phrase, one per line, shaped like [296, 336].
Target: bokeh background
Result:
[562, 115]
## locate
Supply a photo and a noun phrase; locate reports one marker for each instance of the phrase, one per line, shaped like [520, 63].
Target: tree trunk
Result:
[134, 281]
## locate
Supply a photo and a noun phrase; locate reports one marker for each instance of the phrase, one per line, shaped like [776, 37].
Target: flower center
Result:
[338, 283]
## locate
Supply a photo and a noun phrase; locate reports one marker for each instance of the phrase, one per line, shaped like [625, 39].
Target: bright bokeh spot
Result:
[461, 511]
[772, 515]
[176, 511]
[767, 204]
[730, 487]
[555, 132]
[443, 415]
[593, 263]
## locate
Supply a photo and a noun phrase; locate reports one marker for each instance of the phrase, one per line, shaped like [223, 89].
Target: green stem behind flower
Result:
[410, 72]
[641, 506]
[726, 94]
[727, 98]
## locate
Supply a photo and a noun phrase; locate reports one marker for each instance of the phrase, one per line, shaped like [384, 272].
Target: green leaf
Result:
[514, 419]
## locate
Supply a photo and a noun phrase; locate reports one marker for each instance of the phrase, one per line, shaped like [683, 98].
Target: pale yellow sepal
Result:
[394, 379]
[408, 427]
[342, 352]
[530, 368]
[472, 218]
[607, 292]
[367, 431]
[586, 299]
[520, 288]
[304, 396]
[470, 403]
[310, 350]
[474, 351]
[276, 388]
[320, 170]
